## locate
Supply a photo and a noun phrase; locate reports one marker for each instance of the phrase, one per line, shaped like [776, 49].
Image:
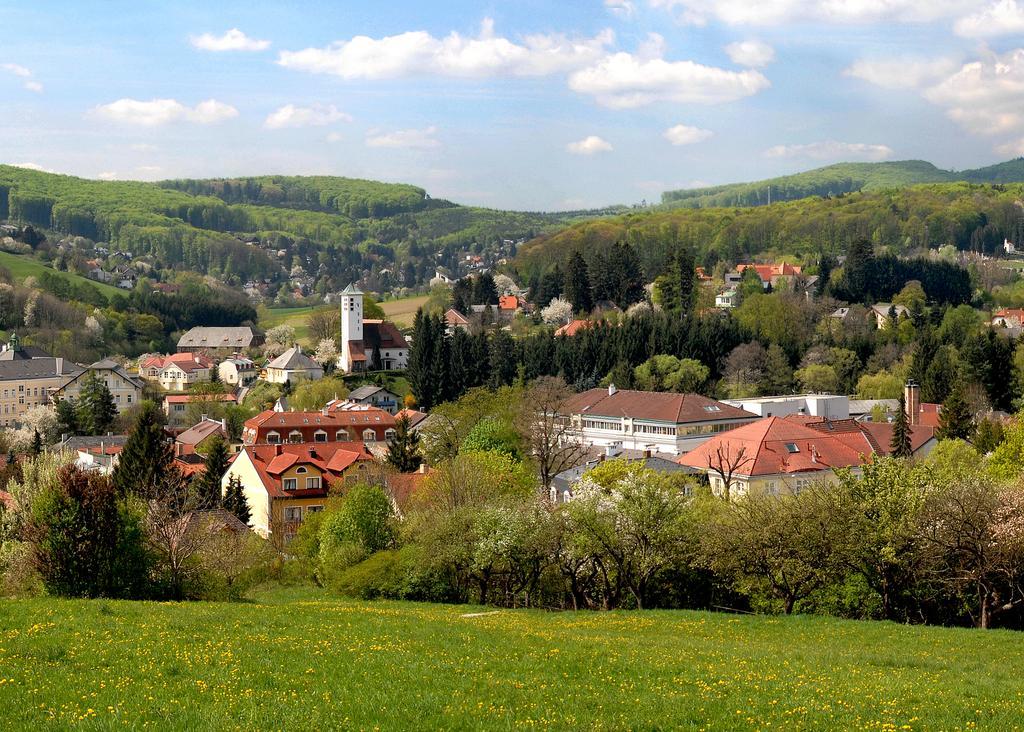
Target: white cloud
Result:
[985, 97]
[623, 80]
[750, 53]
[233, 40]
[686, 135]
[32, 166]
[901, 72]
[1013, 149]
[832, 150]
[840, 12]
[621, 8]
[158, 112]
[418, 53]
[589, 145]
[24, 74]
[414, 139]
[1000, 18]
[316, 116]
[333, 137]
[107, 175]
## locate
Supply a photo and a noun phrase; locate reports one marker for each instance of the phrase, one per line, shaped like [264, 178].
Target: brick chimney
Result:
[912, 397]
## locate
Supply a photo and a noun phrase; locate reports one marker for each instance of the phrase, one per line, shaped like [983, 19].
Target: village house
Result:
[826, 406]
[237, 370]
[176, 372]
[27, 376]
[375, 396]
[219, 342]
[337, 422]
[573, 327]
[727, 299]
[293, 365]
[368, 345]
[564, 484]
[454, 320]
[883, 312]
[176, 406]
[646, 420]
[124, 388]
[283, 484]
[769, 274]
[196, 438]
[1008, 318]
[786, 455]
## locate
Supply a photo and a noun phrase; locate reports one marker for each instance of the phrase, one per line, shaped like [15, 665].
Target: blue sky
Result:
[526, 104]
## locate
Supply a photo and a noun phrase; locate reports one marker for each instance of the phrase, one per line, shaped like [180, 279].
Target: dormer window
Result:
[369, 436]
[294, 437]
[273, 438]
[319, 436]
[301, 469]
[792, 447]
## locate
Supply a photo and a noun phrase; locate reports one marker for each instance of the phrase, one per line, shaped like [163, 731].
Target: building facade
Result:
[337, 422]
[368, 345]
[28, 376]
[125, 388]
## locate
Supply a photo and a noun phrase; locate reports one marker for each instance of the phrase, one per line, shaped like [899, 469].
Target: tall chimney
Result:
[611, 389]
[912, 397]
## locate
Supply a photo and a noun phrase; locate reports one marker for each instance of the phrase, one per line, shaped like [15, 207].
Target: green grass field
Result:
[295, 659]
[21, 267]
[402, 312]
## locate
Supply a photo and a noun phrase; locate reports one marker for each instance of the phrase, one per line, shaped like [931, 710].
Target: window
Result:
[712, 408]
[792, 447]
[301, 469]
[313, 484]
[342, 436]
[314, 509]
[273, 438]
[389, 433]
[369, 436]
[293, 513]
[294, 437]
[291, 484]
[319, 436]
[771, 488]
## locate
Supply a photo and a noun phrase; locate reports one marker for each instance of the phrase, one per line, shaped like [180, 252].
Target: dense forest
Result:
[969, 217]
[834, 180]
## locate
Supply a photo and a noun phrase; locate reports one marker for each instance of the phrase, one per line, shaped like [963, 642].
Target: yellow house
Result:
[285, 483]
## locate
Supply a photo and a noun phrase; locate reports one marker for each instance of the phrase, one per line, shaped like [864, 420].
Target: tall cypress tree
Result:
[404, 447]
[234, 500]
[207, 485]
[95, 410]
[577, 284]
[955, 419]
[686, 265]
[147, 458]
[900, 445]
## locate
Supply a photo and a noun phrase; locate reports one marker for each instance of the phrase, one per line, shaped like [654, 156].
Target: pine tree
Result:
[577, 284]
[37, 444]
[602, 282]
[859, 269]
[234, 500]
[955, 419]
[404, 447]
[207, 484]
[900, 445]
[95, 411]
[686, 266]
[629, 275]
[147, 458]
[215, 373]
[428, 360]
[67, 421]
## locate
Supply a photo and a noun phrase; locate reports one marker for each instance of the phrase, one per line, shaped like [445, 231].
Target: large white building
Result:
[368, 345]
[826, 406]
[646, 420]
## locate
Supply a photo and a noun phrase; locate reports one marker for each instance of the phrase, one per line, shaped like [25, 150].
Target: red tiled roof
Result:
[454, 317]
[573, 327]
[1017, 313]
[186, 398]
[187, 362]
[654, 406]
[402, 486]
[384, 334]
[773, 446]
[508, 302]
[929, 414]
[200, 431]
[336, 416]
[767, 271]
[332, 459]
[415, 417]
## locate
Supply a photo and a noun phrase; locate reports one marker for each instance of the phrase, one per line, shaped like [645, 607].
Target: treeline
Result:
[913, 219]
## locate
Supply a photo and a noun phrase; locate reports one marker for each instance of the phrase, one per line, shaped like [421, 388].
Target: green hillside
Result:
[296, 660]
[21, 267]
[838, 179]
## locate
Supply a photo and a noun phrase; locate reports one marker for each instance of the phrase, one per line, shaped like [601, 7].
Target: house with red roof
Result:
[176, 372]
[1008, 318]
[283, 484]
[339, 421]
[769, 274]
[573, 327]
[368, 345]
[663, 422]
[778, 455]
[193, 440]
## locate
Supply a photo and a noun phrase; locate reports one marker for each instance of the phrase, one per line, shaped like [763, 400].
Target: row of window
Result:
[293, 514]
[655, 429]
[295, 437]
[292, 484]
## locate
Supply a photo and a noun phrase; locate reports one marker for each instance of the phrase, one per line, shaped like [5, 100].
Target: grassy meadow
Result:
[298, 659]
[403, 311]
[22, 266]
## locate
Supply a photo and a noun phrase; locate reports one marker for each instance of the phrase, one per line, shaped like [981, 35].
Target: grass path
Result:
[299, 660]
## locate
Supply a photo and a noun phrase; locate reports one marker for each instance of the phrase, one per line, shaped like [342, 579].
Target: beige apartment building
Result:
[27, 377]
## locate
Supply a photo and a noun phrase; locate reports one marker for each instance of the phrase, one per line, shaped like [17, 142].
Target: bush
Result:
[396, 575]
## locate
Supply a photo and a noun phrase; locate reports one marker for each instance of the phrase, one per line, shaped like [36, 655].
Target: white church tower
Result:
[351, 323]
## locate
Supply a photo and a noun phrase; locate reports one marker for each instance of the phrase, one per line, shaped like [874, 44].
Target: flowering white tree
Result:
[505, 285]
[279, 339]
[326, 352]
[557, 312]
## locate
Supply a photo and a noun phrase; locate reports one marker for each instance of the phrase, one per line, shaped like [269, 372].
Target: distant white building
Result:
[368, 345]
[826, 406]
[727, 299]
[293, 365]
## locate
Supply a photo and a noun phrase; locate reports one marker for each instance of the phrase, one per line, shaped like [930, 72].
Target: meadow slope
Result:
[298, 660]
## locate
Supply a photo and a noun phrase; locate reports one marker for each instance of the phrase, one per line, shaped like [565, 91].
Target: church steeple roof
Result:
[351, 290]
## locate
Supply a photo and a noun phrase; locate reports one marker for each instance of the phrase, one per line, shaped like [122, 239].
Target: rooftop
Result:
[654, 406]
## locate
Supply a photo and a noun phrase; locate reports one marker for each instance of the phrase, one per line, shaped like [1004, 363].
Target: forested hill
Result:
[340, 226]
[967, 216]
[837, 179]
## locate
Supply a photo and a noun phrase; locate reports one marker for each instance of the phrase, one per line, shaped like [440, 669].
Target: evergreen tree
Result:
[503, 360]
[900, 445]
[404, 447]
[551, 285]
[629, 276]
[67, 421]
[484, 290]
[686, 266]
[955, 419]
[428, 360]
[147, 458]
[462, 295]
[37, 444]
[577, 284]
[215, 373]
[778, 371]
[95, 411]
[602, 280]
[234, 500]
[826, 263]
[988, 436]
[858, 269]
[208, 484]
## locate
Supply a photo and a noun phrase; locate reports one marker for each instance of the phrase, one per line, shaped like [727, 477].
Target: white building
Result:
[826, 406]
[293, 365]
[368, 345]
[645, 420]
[237, 370]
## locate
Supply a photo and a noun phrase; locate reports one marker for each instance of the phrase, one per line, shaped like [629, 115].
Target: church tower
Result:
[351, 322]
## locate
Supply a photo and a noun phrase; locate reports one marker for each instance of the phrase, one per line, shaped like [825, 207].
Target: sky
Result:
[526, 104]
